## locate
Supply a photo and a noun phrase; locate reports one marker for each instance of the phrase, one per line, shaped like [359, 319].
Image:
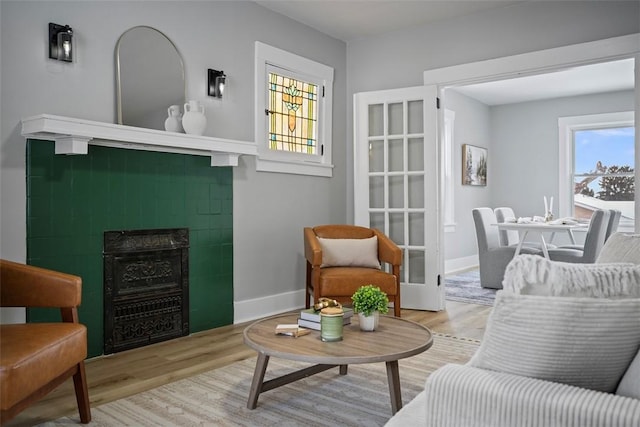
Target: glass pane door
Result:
[395, 175]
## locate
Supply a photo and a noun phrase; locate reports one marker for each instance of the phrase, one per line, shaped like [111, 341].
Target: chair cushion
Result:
[567, 255]
[350, 252]
[34, 354]
[344, 281]
[585, 342]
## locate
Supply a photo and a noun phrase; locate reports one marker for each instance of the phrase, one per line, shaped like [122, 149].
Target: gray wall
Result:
[399, 59]
[472, 126]
[270, 210]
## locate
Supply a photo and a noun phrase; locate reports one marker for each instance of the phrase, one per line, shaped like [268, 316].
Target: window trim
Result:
[566, 127]
[281, 161]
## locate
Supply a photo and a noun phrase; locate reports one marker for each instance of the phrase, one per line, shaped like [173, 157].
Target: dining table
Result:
[524, 228]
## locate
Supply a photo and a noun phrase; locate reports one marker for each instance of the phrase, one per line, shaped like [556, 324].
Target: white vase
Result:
[368, 323]
[194, 121]
[173, 123]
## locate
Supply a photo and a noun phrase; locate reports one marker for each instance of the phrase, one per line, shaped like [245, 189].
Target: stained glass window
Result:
[293, 115]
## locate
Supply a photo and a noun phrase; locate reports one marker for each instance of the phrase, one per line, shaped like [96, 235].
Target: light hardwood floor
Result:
[123, 374]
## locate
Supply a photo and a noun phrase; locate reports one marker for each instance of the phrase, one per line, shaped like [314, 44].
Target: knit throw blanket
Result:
[535, 275]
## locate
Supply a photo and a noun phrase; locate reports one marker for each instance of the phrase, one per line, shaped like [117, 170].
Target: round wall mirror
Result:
[149, 77]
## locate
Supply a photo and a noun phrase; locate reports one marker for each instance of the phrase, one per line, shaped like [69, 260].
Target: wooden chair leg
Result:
[82, 394]
[307, 289]
[396, 299]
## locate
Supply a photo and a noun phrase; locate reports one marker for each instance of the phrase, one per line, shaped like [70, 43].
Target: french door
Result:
[397, 184]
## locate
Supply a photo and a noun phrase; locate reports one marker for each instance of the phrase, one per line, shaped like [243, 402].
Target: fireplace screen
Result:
[146, 287]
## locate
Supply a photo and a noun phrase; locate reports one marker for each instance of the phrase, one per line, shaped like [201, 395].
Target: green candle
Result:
[331, 324]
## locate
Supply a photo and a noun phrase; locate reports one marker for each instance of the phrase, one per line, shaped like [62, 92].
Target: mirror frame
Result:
[119, 77]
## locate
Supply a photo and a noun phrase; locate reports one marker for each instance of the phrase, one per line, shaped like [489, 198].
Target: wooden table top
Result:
[393, 340]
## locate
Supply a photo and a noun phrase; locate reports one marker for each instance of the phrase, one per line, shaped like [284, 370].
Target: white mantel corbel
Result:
[73, 136]
[72, 144]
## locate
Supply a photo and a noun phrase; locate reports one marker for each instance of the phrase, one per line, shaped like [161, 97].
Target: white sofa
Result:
[571, 368]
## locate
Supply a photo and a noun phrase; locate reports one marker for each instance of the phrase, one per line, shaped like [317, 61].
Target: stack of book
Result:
[310, 318]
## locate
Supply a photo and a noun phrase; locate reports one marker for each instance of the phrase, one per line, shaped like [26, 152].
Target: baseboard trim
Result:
[257, 308]
[458, 265]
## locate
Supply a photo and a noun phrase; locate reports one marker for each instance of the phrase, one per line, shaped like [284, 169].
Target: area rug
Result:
[465, 287]
[219, 397]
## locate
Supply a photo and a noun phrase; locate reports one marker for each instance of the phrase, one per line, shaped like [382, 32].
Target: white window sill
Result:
[298, 168]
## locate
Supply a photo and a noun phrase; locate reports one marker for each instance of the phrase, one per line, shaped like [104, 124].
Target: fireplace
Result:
[146, 287]
[73, 200]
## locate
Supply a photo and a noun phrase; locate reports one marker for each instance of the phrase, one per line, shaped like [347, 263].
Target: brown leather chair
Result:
[340, 282]
[35, 358]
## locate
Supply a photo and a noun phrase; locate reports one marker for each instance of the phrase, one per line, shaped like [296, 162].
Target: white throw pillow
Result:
[535, 275]
[621, 247]
[630, 383]
[585, 342]
[350, 252]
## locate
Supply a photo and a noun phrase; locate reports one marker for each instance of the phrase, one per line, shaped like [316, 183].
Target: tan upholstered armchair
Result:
[37, 357]
[341, 258]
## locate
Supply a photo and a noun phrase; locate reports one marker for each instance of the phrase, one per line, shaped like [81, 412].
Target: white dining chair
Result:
[612, 227]
[614, 221]
[493, 258]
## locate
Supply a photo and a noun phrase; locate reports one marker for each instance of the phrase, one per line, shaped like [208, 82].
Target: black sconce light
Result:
[60, 42]
[216, 82]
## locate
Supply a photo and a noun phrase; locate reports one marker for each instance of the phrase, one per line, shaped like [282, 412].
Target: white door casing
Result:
[397, 184]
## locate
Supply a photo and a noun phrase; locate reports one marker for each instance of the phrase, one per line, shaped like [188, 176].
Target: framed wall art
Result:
[474, 165]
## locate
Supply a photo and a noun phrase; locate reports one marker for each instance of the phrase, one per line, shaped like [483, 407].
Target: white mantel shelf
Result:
[73, 136]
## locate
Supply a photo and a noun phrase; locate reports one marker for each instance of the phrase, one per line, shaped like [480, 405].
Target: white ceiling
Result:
[352, 19]
[587, 79]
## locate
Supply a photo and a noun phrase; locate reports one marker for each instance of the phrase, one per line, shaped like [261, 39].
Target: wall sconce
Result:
[216, 82]
[60, 42]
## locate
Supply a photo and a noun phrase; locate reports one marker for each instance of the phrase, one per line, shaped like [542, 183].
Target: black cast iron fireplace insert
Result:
[146, 287]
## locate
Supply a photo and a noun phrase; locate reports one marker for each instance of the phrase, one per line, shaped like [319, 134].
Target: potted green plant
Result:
[369, 301]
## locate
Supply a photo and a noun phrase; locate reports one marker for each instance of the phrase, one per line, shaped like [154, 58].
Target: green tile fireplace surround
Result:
[72, 200]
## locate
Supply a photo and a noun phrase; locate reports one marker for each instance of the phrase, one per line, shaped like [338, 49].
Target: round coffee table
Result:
[394, 339]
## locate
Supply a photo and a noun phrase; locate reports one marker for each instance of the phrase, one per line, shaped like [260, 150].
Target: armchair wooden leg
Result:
[307, 288]
[307, 298]
[82, 394]
[396, 306]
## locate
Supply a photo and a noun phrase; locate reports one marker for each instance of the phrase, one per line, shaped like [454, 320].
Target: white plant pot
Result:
[368, 323]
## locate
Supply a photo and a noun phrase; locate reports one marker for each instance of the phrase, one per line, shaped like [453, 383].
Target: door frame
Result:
[541, 62]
